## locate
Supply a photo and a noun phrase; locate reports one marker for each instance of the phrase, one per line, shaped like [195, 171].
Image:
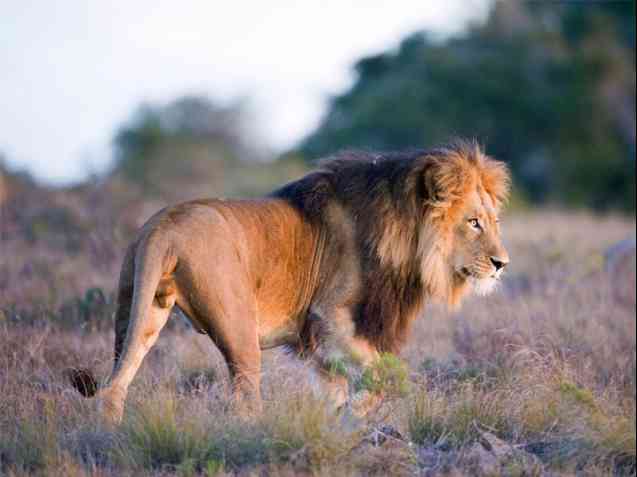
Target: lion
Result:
[335, 265]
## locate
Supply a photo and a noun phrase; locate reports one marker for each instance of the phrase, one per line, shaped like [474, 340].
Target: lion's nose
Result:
[498, 263]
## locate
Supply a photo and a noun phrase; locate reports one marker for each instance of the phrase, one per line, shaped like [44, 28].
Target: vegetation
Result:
[193, 148]
[549, 87]
[539, 377]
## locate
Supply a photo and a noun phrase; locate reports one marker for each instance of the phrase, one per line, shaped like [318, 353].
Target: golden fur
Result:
[335, 265]
[459, 171]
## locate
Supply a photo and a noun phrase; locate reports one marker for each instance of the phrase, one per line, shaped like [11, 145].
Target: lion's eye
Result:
[475, 223]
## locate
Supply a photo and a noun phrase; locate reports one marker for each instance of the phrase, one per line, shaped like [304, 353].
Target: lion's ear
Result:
[431, 189]
[496, 179]
[441, 181]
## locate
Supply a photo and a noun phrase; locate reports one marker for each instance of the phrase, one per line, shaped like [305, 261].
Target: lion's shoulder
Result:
[310, 195]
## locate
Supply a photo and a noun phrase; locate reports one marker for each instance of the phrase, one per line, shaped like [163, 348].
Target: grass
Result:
[388, 376]
[571, 424]
[547, 365]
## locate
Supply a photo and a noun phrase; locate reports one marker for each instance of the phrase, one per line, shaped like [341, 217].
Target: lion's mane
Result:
[404, 207]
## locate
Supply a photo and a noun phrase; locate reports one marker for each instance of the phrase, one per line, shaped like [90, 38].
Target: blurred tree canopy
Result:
[194, 148]
[162, 148]
[548, 87]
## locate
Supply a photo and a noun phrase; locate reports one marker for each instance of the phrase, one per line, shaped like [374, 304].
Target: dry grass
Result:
[547, 365]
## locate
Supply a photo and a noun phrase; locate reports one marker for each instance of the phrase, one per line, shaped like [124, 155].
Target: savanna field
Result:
[536, 379]
[147, 104]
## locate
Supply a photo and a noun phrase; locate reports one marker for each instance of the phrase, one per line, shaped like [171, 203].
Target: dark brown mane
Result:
[390, 198]
[383, 193]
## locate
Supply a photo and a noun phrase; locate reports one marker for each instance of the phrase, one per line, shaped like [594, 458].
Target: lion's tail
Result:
[138, 290]
[138, 283]
[83, 380]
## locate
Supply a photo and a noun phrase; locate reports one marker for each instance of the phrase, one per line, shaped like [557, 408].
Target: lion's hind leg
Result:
[228, 316]
[238, 342]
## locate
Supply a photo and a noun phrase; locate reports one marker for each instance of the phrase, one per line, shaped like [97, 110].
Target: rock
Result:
[494, 456]
[381, 434]
[434, 462]
[494, 444]
[384, 451]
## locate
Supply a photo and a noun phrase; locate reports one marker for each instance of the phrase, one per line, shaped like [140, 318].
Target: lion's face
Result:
[478, 254]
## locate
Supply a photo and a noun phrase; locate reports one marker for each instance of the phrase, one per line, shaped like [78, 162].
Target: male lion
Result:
[335, 265]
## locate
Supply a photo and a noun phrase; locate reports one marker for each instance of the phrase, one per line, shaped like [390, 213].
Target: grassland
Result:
[537, 379]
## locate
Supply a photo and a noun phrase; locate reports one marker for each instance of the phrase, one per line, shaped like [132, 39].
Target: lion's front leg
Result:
[336, 388]
[344, 361]
[333, 387]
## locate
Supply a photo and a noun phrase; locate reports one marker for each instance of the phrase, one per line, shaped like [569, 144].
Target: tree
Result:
[548, 87]
[180, 150]
[192, 148]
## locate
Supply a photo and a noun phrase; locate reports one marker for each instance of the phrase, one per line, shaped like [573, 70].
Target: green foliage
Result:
[155, 440]
[306, 428]
[549, 88]
[337, 367]
[90, 311]
[193, 148]
[423, 422]
[581, 396]
[168, 149]
[156, 436]
[213, 467]
[389, 375]
[93, 310]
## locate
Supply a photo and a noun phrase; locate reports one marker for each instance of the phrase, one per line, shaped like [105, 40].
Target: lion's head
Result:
[460, 247]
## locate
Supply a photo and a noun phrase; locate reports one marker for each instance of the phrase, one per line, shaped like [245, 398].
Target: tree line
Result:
[549, 87]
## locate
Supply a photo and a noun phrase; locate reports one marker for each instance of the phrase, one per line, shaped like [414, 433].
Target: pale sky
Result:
[72, 71]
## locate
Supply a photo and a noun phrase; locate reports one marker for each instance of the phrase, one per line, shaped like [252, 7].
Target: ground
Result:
[537, 379]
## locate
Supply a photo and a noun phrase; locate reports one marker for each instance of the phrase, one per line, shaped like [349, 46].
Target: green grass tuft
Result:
[388, 375]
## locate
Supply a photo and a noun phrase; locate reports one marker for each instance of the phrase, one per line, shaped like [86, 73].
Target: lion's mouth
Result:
[466, 272]
[482, 285]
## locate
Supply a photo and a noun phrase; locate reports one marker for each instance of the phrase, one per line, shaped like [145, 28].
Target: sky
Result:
[72, 71]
